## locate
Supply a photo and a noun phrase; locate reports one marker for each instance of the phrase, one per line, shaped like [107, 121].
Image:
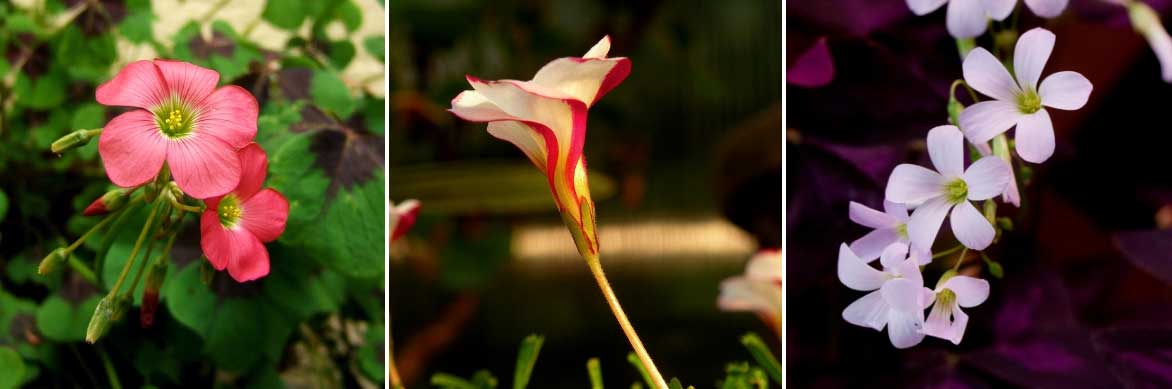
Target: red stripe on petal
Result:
[265, 215]
[230, 114]
[254, 165]
[613, 78]
[190, 82]
[139, 84]
[132, 148]
[204, 166]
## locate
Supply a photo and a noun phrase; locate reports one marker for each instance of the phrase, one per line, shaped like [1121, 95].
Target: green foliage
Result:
[594, 370]
[763, 356]
[526, 359]
[12, 366]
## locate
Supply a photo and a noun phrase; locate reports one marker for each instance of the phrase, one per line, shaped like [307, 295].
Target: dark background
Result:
[1085, 299]
[692, 134]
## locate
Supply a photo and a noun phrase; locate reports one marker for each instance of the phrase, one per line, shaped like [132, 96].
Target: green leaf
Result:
[634, 360]
[350, 15]
[3, 205]
[340, 53]
[286, 14]
[594, 370]
[61, 321]
[89, 57]
[375, 46]
[13, 367]
[88, 116]
[352, 230]
[763, 356]
[675, 384]
[330, 93]
[371, 354]
[44, 92]
[136, 27]
[526, 359]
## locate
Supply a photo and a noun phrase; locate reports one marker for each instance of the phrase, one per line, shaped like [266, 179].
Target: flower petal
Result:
[868, 311]
[600, 49]
[925, 222]
[253, 265]
[970, 226]
[230, 114]
[923, 7]
[902, 295]
[984, 120]
[904, 328]
[234, 249]
[856, 274]
[526, 138]
[987, 178]
[265, 215]
[191, 82]
[911, 184]
[1030, 56]
[1046, 8]
[403, 218]
[203, 166]
[765, 266]
[586, 79]
[254, 165]
[866, 216]
[987, 75]
[946, 322]
[1065, 90]
[1035, 137]
[871, 245]
[1000, 9]
[132, 148]
[139, 84]
[946, 149]
[1161, 44]
[966, 18]
[893, 255]
[896, 210]
[970, 291]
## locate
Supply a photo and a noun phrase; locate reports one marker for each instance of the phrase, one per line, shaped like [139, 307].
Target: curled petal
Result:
[587, 80]
[191, 82]
[139, 84]
[203, 166]
[893, 255]
[529, 140]
[987, 75]
[1065, 90]
[230, 114]
[923, 7]
[1035, 137]
[1030, 56]
[856, 274]
[970, 226]
[600, 49]
[132, 148]
[904, 327]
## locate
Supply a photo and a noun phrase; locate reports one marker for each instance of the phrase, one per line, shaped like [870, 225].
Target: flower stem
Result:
[596, 268]
[960, 259]
[396, 381]
[945, 253]
[146, 228]
[82, 270]
[77, 243]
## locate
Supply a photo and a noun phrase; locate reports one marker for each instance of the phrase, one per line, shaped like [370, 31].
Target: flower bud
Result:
[51, 261]
[150, 293]
[73, 140]
[100, 322]
[109, 202]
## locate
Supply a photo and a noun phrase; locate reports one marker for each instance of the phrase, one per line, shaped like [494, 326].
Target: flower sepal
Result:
[74, 140]
[109, 202]
[51, 261]
[109, 309]
[583, 231]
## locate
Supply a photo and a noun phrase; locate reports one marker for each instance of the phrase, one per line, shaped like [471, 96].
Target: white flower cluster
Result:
[903, 242]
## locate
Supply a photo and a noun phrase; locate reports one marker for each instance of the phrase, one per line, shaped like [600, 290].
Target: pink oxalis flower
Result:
[947, 321]
[1020, 101]
[235, 226]
[897, 295]
[950, 189]
[546, 118]
[970, 18]
[183, 120]
[890, 226]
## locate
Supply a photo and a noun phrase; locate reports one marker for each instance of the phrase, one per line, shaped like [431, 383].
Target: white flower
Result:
[890, 226]
[950, 189]
[947, 321]
[758, 290]
[1020, 102]
[897, 299]
[1147, 23]
[969, 18]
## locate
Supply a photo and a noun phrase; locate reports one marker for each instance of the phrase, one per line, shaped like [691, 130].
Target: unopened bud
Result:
[100, 322]
[109, 202]
[150, 293]
[51, 261]
[73, 140]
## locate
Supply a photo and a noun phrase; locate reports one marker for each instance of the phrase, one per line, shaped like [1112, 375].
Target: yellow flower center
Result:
[1029, 102]
[956, 191]
[230, 211]
[175, 119]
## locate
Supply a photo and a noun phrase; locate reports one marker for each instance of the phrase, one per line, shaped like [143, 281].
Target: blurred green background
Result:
[685, 158]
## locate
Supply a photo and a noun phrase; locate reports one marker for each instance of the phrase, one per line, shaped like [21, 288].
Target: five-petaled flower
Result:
[898, 296]
[546, 118]
[1020, 102]
[183, 120]
[890, 226]
[970, 18]
[950, 189]
[947, 321]
[235, 226]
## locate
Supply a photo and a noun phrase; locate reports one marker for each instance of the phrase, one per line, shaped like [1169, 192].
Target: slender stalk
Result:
[134, 252]
[77, 243]
[396, 381]
[596, 268]
[82, 270]
[110, 372]
[947, 252]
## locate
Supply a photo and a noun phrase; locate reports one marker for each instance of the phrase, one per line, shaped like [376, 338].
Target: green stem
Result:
[947, 252]
[108, 239]
[960, 259]
[110, 372]
[596, 268]
[77, 243]
[134, 252]
[82, 270]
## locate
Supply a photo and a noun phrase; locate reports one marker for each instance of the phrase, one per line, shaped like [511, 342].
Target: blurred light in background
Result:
[705, 238]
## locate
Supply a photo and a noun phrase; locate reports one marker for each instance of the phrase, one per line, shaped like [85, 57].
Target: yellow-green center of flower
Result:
[1029, 102]
[901, 229]
[175, 119]
[230, 211]
[945, 298]
[956, 191]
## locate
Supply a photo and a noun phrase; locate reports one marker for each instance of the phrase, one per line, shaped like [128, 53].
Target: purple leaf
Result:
[1150, 250]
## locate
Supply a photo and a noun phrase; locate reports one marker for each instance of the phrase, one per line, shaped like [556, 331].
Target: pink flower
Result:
[897, 295]
[235, 226]
[546, 118]
[758, 290]
[953, 188]
[947, 321]
[183, 121]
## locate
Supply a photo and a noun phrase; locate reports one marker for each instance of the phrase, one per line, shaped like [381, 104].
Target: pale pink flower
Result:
[758, 290]
[1020, 102]
[951, 188]
[897, 299]
[970, 18]
[946, 320]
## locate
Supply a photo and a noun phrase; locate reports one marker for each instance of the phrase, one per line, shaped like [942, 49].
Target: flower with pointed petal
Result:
[951, 188]
[182, 120]
[890, 226]
[758, 290]
[1020, 102]
[546, 118]
[947, 321]
[403, 217]
[235, 226]
[898, 296]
